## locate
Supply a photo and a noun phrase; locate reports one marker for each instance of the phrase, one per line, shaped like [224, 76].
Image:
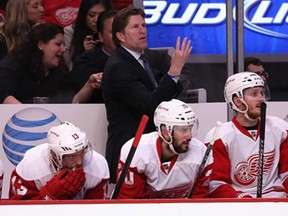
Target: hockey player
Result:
[236, 150]
[64, 168]
[165, 163]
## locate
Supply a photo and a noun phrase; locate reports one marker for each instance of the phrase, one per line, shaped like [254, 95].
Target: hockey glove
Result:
[65, 185]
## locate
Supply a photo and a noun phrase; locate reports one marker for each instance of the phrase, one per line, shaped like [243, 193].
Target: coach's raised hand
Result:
[180, 56]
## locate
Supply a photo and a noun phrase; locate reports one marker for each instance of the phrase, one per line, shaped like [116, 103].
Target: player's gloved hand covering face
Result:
[65, 185]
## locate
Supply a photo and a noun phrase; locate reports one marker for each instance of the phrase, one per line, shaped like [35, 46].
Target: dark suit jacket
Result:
[86, 64]
[129, 93]
[17, 79]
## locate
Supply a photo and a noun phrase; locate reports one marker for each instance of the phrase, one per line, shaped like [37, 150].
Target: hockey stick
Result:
[131, 153]
[261, 149]
[205, 157]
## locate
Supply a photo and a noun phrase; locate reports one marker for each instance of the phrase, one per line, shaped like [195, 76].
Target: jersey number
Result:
[17, 186]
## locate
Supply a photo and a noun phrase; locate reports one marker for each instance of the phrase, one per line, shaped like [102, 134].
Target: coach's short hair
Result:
[121, 20]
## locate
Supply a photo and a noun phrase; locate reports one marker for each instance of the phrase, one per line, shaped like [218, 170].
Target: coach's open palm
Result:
[180, 56]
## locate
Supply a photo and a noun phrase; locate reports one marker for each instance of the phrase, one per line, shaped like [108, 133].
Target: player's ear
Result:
[165, 133]
[237, 101]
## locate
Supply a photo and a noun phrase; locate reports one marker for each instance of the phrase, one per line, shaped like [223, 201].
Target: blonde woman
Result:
[21, 15]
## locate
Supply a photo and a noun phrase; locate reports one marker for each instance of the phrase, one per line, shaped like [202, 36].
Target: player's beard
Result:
[254, 114]
[181, 148]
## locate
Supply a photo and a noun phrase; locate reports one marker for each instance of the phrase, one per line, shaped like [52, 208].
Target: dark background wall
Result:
[212, 77]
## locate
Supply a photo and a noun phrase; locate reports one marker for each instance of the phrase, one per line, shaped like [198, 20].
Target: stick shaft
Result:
[261, 150]
[205, 157]
[131, 153]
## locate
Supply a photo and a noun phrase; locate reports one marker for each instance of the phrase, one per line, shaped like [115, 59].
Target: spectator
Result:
[253, 64]
[62, 13]
[166, 163]
[129, 90]
[34, 68]
[21, 15]
[1, 177]
[79, 37]
[64, 168]
[88, 67]
[236, 150]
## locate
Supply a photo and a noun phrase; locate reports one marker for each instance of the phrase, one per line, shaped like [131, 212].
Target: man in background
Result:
[253, 64]
[88, 67]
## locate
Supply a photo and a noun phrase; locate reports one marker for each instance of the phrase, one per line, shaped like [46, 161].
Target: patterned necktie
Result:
[148, 69]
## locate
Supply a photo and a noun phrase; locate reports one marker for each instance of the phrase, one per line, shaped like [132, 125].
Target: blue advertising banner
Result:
[204, 23]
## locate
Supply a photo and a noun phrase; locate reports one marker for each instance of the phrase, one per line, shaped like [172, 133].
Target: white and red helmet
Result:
[174, 113]
[237, 83]
[66, 139]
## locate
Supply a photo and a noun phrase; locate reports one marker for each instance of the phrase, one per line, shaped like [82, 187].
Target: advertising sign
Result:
[204, 23]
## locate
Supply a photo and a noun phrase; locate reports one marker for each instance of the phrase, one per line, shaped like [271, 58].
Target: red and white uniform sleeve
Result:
[97, 177]
[283, 163]
[220, 185]
[201, 184]
[21, 189]
[99, 191]
[134, 185]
